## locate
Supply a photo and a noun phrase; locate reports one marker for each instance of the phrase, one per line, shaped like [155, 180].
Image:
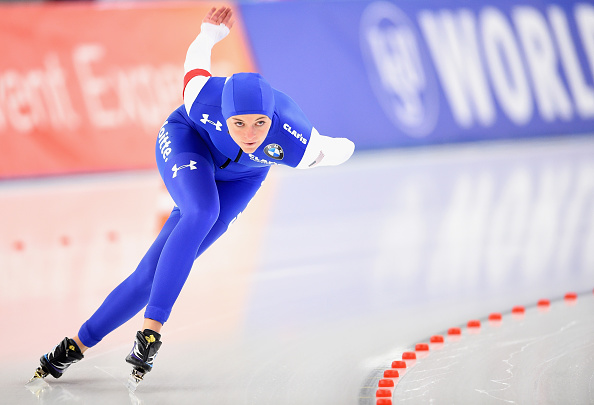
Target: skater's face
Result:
[249, 130]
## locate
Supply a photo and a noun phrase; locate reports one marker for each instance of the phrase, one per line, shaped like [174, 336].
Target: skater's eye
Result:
[239, 124]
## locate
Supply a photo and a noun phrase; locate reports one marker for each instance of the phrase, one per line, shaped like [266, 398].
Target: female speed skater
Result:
[213, 153]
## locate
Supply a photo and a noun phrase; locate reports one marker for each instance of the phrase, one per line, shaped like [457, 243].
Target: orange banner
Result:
[86, 87]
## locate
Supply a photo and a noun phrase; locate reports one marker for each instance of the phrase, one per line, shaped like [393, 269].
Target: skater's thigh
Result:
[187, 169]
[175, 138]
[234, 197]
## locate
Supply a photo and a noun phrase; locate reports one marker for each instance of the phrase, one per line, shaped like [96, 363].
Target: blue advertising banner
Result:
[408, 73]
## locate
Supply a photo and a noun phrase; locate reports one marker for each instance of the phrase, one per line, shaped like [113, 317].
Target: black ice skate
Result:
[146, 345]
[59, 359]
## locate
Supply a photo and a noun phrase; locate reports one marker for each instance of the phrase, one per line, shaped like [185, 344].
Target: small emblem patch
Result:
[274, 151]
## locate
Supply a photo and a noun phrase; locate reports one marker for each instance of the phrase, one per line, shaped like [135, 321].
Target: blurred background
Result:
[471, 188]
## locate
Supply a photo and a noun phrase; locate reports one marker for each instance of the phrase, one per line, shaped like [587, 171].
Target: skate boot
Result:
[59, 359]
[143, 354]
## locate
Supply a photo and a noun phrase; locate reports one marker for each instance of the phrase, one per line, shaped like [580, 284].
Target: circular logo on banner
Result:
[397, 69]
[274, 151]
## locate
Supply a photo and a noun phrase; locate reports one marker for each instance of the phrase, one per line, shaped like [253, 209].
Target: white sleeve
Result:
[198, 59]
[325, 151]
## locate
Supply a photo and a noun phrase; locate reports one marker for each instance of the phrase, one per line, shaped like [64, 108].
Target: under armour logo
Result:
[205, 119]
[175, 169]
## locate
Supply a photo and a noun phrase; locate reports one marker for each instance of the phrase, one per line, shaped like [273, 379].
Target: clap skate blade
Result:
[40, 373]
[135, 378]
[36, 384]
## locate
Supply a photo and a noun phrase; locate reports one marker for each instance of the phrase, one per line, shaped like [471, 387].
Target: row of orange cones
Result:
[387, 384]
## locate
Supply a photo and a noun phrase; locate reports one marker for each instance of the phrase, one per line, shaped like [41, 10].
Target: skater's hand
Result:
[220, 16]
[217, 23]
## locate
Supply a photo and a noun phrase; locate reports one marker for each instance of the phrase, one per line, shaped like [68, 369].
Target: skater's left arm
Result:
[325, 151]
[215, 26]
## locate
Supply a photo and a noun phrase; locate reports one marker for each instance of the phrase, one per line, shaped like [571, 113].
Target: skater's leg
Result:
[133, 294]
[234, 197]
[152, 325]
[188, 240]
[127, 299]
[194, 190]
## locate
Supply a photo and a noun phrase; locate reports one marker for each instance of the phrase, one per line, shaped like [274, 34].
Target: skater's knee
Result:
[201, 213]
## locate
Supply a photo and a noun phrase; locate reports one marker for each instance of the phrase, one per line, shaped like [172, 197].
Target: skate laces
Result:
[150, 339]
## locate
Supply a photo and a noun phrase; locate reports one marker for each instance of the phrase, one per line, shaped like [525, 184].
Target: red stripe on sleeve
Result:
[192, 74]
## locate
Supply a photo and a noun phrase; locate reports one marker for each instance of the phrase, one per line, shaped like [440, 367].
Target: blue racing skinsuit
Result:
[211, 181]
